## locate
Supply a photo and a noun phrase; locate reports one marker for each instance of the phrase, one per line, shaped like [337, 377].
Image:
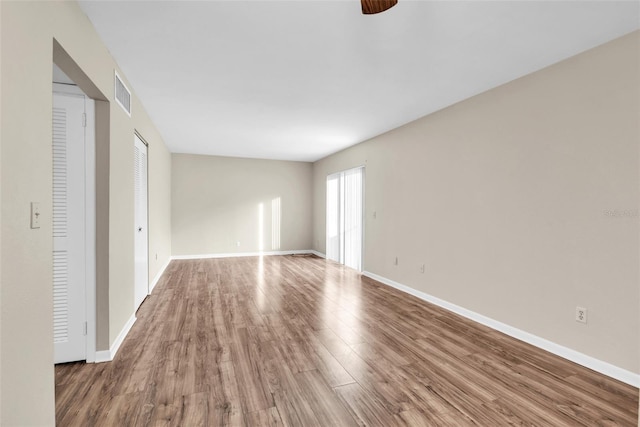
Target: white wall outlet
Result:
[374, 215]
[395, 262]
[35, 215]
[422, 268]
[581, 314]
[238, 244]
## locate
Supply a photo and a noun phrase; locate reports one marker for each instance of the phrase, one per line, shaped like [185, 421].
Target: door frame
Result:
[363, 224]
[146, 144]
[90, 215]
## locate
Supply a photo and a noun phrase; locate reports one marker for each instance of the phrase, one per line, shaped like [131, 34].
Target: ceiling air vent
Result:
[123, 95]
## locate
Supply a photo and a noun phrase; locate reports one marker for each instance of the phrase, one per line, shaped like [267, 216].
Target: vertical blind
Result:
[344, 217]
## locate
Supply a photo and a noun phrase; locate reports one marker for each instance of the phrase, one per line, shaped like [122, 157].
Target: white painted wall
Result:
[0, 225]
[28, 30]
[522, 202]
[216, 200]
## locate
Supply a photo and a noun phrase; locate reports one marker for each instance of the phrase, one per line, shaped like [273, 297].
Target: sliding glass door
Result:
[345, 200]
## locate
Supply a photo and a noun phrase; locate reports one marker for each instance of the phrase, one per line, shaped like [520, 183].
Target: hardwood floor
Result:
[299, 341]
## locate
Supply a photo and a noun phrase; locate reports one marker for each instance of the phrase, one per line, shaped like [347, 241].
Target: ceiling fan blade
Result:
[370, 7]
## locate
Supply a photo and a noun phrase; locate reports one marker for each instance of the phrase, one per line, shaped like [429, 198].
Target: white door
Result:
[141, 233]
[69, 257]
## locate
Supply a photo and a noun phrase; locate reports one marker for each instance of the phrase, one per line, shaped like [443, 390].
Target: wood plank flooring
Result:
[300, 341]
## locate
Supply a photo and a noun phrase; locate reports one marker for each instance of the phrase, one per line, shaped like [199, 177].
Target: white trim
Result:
[68, 89]
[242, 254]
[363, 224]
[156, 279]
[103, 356]
[90, 227]
[141, 260]
[597, 365]
[109, 355]
[318, 254]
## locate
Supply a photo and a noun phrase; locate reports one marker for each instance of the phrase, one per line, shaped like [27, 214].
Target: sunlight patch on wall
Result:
[275, 223]
[261, 227]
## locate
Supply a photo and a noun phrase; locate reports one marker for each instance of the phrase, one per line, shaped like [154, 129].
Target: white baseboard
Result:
[156, 279]
[109, 355]
[103, 356]
[242, 254]
[597, 365]
[319, 254]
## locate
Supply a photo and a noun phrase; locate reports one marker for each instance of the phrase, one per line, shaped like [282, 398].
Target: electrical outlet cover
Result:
[581, 314]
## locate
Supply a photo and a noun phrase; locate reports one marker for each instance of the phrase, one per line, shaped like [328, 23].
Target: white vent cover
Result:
[123, 94]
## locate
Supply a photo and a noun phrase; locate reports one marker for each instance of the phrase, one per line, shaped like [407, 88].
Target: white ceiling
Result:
[299, 80]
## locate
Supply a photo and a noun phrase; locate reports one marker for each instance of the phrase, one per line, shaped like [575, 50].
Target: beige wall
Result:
[502, 196]
[28, 30]
[0, 219]
[159, 201]
[522, 202]
[215, 204]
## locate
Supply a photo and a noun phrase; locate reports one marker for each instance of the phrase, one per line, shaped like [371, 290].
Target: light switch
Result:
[35, 215]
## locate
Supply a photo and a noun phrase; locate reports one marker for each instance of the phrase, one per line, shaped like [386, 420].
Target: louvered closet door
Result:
[68, 228]
[141, 250]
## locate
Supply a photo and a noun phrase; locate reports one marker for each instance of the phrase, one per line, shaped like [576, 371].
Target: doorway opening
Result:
[141, 233]
[73, 221]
